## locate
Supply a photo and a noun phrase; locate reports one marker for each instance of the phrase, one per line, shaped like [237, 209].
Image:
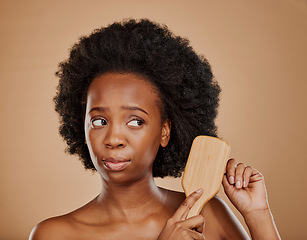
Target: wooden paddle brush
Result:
[205, 169]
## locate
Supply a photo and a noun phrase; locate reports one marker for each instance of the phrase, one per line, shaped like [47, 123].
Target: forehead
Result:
[118, 88]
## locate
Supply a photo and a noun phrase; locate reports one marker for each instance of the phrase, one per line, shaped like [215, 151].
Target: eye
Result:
[98, 123]
[135, 123]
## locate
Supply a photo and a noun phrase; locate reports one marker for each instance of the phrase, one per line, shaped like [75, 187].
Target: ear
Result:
[166, 133]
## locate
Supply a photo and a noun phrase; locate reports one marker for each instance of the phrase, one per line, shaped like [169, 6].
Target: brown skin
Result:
[123, 121]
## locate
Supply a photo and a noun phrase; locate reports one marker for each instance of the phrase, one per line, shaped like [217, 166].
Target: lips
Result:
[115, 163]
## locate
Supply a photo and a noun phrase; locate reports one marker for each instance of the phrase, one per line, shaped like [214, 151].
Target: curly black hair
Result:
[188, 91]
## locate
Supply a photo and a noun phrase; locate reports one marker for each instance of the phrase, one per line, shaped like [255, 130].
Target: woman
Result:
[132, 97]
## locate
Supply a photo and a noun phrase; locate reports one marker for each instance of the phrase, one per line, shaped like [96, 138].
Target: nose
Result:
[114, 137]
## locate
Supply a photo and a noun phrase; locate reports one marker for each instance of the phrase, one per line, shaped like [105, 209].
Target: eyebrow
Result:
[132, 108]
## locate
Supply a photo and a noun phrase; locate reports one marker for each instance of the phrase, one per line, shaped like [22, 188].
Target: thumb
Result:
[227, 186]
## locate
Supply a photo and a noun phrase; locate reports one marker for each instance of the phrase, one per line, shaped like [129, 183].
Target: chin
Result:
[125, 179]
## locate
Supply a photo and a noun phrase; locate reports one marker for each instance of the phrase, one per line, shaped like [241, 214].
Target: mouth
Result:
[115, 163]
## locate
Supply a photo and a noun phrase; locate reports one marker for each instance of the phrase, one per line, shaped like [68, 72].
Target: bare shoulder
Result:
[222, 221]
[52, 228]
[68, 226]
[173, 198]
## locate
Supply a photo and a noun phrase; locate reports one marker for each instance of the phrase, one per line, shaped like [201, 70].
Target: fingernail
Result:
[231, 180]
[199, 191]
[238, 184]
[244, 184]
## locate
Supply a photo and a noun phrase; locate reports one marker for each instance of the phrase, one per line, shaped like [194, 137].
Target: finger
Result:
[196, 235]
[190, 201]
[196, 222]
[227, 186]
[183, 210]
[201, 226]
[247, 175]
[239, 175]
[256, 176]
[230, 170]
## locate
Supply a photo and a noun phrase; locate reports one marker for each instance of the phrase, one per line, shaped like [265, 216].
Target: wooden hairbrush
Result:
[205, 169]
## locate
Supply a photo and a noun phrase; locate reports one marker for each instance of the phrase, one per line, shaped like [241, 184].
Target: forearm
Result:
[261, 225]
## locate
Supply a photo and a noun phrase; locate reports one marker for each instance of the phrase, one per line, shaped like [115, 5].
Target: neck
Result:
[142, 196]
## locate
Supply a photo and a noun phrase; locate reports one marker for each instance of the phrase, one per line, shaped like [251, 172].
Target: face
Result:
[123, 127]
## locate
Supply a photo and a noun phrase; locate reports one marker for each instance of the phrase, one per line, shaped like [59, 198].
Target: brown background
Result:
[258, 53]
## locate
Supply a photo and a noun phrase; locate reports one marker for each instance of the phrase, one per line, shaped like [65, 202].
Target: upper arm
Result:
[220, 220]
[49, 229]
[37, 233]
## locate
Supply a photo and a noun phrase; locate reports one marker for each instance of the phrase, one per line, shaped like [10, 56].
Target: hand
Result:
[245, 188]
[179, 227]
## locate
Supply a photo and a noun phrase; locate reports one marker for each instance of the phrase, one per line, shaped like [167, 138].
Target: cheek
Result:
[148, 146]
[95, 153]
[93, 144]
[87, 128]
